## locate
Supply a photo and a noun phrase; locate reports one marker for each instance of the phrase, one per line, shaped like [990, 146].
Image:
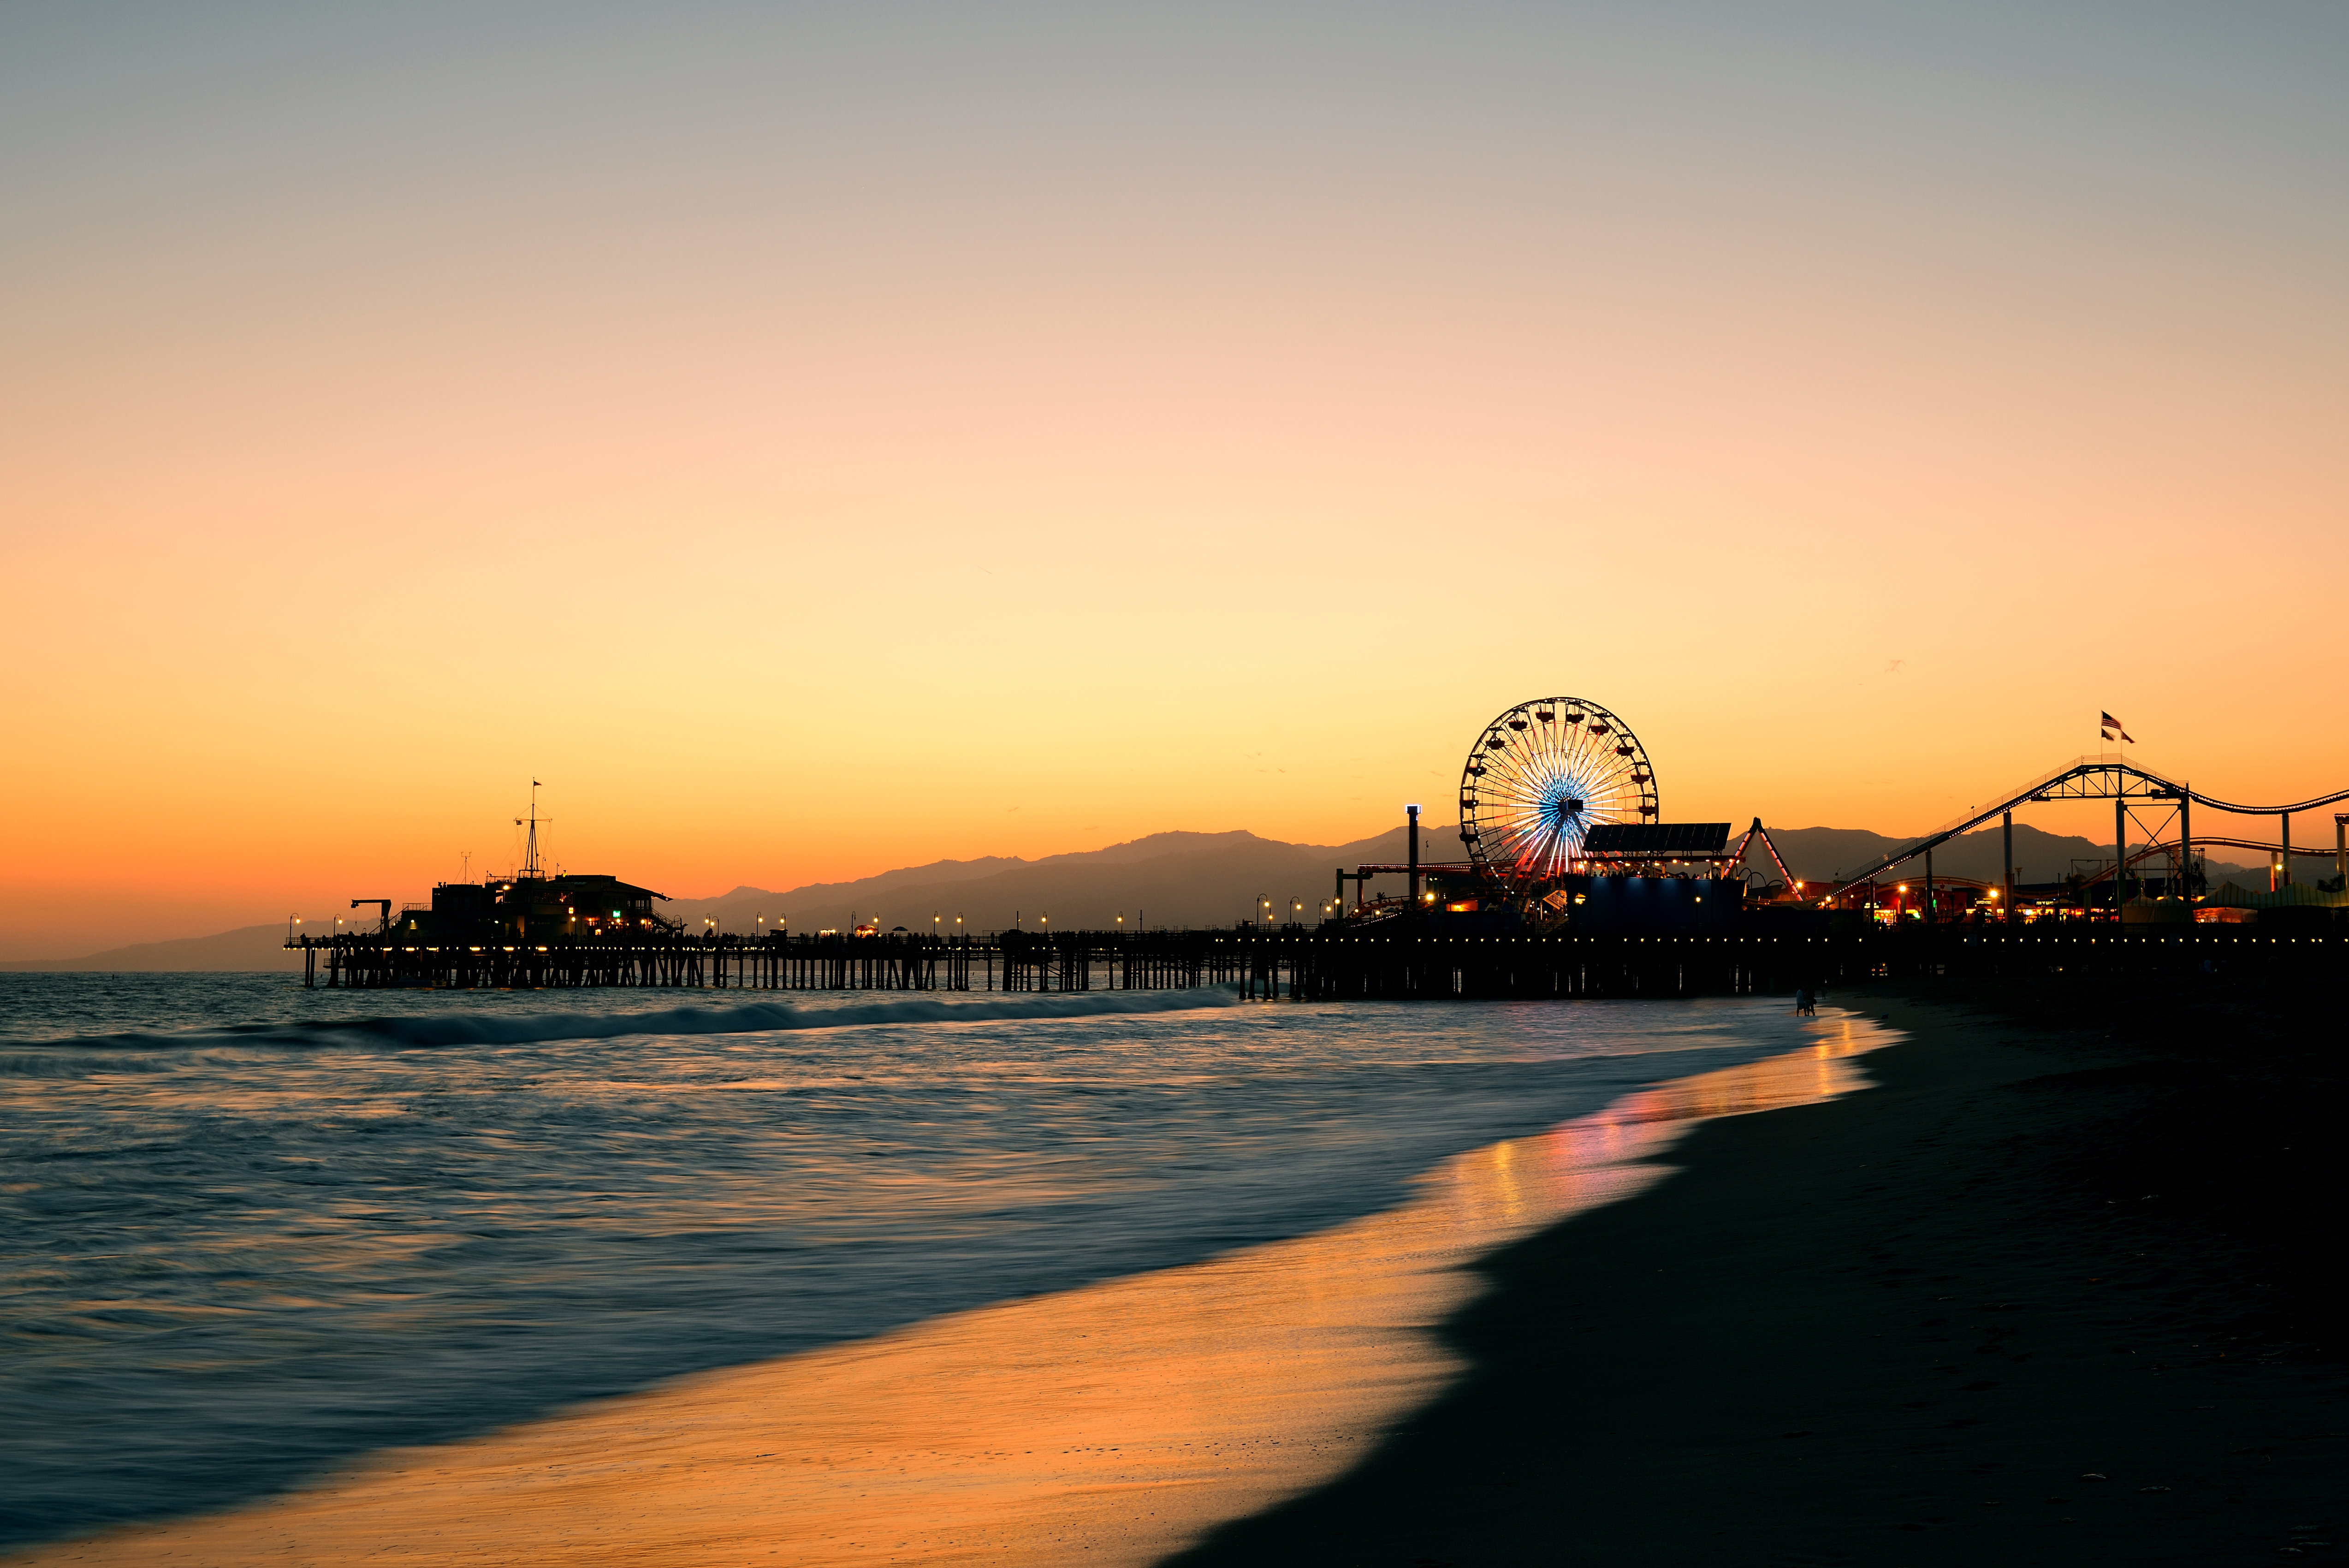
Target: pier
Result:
[1328, 965]
[1573, 887]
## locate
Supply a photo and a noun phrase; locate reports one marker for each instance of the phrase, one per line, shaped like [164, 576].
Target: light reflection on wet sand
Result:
[1111, 1424]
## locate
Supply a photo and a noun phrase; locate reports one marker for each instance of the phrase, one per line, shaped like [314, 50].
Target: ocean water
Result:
[248, 1230]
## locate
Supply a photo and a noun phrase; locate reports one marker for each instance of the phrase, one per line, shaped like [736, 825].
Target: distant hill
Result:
[1179, 878]
[246, 947]
[1165, 880]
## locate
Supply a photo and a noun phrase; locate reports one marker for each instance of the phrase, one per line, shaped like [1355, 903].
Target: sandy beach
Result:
[2063, 1288]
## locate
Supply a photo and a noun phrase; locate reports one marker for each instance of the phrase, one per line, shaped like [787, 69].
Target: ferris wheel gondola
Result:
[1539, 778]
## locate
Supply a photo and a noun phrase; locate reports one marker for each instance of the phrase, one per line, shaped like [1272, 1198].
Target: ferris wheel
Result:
[1539, 778]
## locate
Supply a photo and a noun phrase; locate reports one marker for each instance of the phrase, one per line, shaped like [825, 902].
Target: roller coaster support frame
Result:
[2094, 778]
[2120, 853]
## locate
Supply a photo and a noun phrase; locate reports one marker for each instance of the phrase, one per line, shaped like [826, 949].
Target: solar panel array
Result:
[1658, 839]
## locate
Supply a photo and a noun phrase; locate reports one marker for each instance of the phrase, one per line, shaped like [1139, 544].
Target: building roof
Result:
[578, 877]
[1657, 839]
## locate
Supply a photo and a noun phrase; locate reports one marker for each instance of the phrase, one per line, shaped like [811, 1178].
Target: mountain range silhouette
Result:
[1166, 879]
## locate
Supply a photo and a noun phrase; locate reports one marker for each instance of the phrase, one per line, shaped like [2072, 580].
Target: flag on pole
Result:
[2110, 725]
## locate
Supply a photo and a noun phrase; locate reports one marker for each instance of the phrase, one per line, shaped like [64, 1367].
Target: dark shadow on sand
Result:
[2062, 1288]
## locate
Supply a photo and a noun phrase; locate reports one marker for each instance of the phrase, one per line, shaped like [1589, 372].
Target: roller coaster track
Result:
[2202, 843]
[2156, 851]
[2086, 778]
[2169, 846]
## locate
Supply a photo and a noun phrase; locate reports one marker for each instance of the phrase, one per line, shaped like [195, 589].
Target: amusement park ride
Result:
[2143, 800]
[1560, 809]
[1556, 793]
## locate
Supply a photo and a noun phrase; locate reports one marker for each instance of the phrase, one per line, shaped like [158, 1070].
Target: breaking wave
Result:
[430, 1030]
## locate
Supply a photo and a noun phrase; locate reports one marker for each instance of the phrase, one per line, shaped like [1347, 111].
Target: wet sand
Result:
[2065, 1287]
[1115, 1423]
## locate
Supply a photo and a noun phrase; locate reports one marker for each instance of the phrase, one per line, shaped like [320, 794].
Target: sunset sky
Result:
[816, 439]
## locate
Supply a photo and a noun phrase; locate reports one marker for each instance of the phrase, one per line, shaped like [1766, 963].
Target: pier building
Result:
[529, 906]
[533, 907]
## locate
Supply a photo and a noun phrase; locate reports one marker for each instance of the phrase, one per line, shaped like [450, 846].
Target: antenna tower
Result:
[530, 858]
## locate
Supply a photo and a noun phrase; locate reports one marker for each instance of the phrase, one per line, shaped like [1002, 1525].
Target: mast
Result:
[530, 858]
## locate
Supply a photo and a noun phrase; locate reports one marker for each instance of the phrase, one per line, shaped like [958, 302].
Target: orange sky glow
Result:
[825, 443]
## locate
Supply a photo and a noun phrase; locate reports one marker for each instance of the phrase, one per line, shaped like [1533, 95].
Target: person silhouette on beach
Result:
[1806, 1004]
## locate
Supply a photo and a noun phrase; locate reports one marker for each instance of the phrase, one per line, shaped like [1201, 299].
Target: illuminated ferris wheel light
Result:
[1539, 777]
